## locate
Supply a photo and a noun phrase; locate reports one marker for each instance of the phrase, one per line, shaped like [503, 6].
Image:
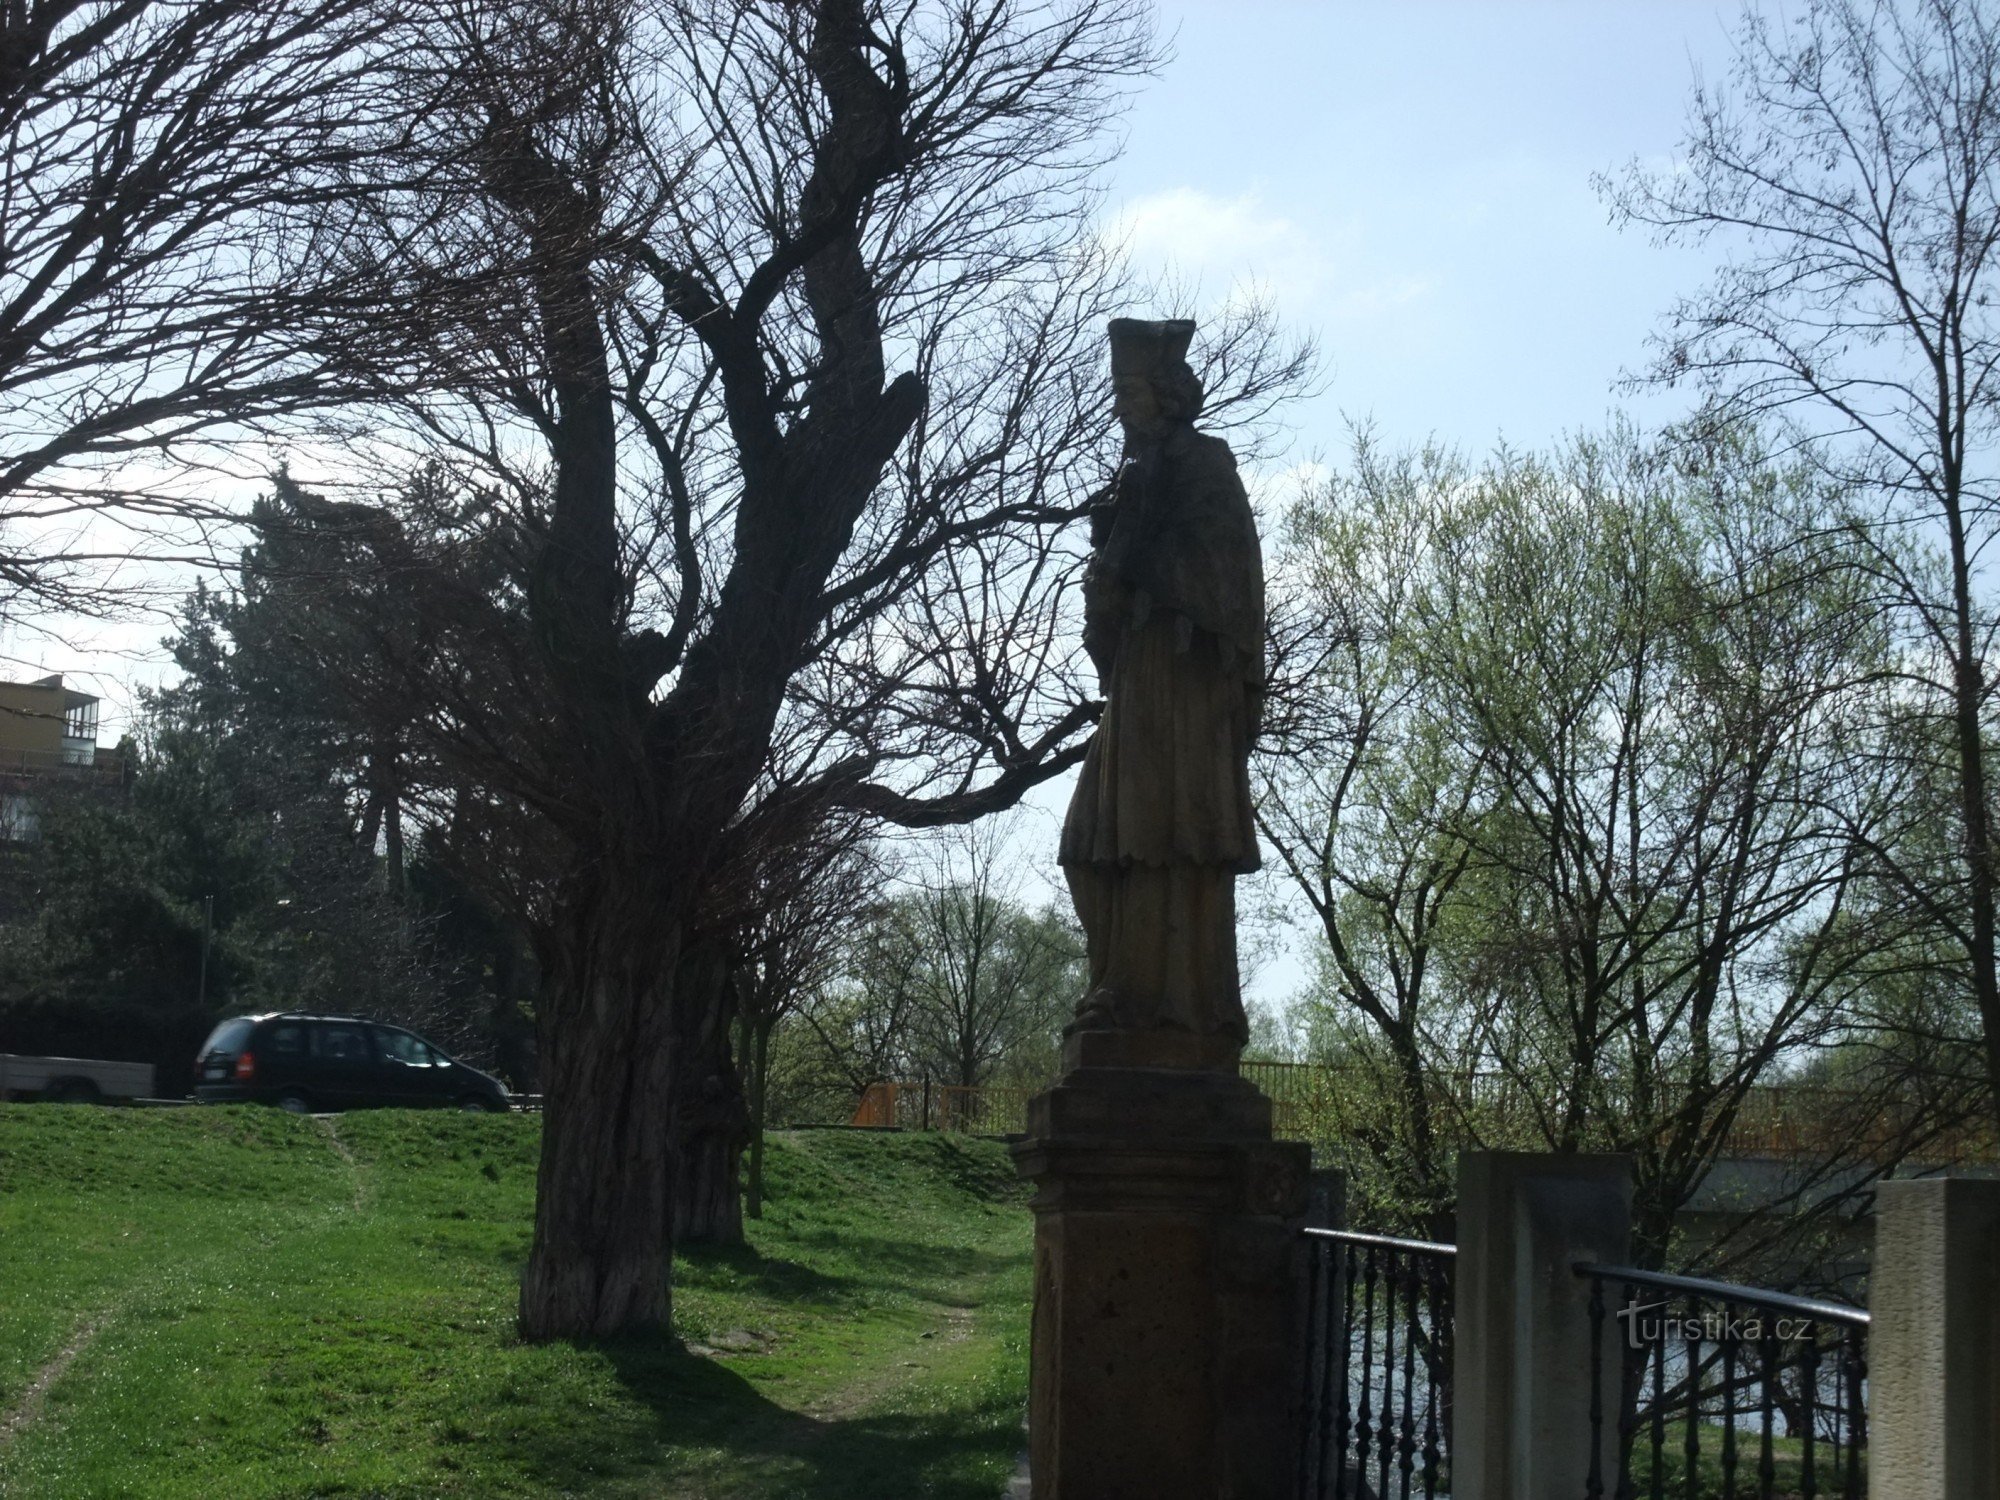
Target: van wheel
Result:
[295, 1103]
[72, 1091]
[473, 1104]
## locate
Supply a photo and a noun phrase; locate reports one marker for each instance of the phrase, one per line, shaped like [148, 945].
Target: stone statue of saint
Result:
[1160, 825]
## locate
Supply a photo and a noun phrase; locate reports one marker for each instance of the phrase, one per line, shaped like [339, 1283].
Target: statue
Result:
[1160, 825]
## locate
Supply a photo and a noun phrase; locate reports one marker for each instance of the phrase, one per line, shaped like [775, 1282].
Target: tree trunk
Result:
[1968, 699]
[385, 814]
[392, 845]
[760, 1093]
[600, 1262]
[710, 1124]
[514, 999]
[708, 1204]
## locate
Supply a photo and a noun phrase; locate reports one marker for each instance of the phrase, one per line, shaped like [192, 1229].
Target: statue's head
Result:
[1151, 383]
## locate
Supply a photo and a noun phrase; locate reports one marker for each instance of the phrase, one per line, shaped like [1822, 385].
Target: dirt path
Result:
[28, 1405]
[855, 1398]
[330, 1126]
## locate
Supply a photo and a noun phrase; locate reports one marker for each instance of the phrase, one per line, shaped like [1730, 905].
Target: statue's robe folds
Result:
[1161, 823]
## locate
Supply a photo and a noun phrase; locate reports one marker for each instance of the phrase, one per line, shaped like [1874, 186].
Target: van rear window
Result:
[230, 1035]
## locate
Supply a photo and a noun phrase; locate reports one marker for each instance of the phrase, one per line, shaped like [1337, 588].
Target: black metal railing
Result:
[1378, 1371]
[1725, 1391]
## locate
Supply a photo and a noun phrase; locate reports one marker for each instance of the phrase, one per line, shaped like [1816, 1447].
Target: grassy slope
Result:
[264, 1306]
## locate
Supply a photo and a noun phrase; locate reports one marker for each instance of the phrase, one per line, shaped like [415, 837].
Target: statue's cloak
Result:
[1178, 635]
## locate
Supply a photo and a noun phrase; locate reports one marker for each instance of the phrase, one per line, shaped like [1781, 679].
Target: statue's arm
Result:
[1132, 515]
[1114, 597]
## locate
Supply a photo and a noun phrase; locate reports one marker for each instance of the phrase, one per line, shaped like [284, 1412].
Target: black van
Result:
[309, 1063]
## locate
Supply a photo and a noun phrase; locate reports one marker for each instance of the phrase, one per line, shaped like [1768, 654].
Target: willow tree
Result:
[1848, 174]
[1581, 776]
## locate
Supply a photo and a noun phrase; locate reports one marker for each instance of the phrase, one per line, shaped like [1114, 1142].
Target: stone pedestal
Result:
[1166, 1341]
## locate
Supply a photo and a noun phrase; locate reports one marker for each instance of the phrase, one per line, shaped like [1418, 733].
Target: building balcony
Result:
[85, 760]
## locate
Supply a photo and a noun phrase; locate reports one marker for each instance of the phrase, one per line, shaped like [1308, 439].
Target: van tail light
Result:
[246, 1068]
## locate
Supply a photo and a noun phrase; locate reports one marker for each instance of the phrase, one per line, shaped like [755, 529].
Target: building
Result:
[48, 740]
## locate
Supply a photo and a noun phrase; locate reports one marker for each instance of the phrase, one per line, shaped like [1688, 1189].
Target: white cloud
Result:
[1241, 245]
[1237, 242]
[1274, 487]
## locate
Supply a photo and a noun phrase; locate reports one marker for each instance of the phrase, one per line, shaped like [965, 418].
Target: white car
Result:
[73, 1080]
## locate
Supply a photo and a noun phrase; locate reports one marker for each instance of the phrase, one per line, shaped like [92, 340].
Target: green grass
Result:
[1787, 1463]
[259, 1306]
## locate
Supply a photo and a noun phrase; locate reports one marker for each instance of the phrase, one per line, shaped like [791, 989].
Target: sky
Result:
[1409, 182]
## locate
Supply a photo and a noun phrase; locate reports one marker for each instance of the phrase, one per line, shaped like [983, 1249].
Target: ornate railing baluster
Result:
[1730, 1345]
[1691, 1436]
[1346, 1424]
[1385, 1414]
[1691, 1443]
[1855, 1364]
[1362, 1430]
[1394, 1311]
[1406, 1461]
[1593, 1486]
[1439, 1304]
[1319, 1361]
[1631, 1374]
[1334, 1342]
[1691, 1361]
[1837, 1413]
[1767, 1468]
[1809, 1399]
[1658, 1482]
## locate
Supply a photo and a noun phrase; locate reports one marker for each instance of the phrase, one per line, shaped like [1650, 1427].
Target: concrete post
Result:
[1934, 1341]
[1522, 1388]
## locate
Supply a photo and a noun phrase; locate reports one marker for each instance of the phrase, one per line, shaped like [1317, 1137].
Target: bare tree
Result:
[946, 973]
[860, 1022]
[150, 157]
[996, 979]
[666, 258]
[769, 928]
[1850, 173]
[805, 918]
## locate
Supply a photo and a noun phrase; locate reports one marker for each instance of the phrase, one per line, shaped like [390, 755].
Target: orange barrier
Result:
[922, 1105]
[877, 1109]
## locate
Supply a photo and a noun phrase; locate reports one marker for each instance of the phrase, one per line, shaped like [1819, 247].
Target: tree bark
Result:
[600, 1262]
[760, 1093]
[710, 1123]
[708, 1203]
